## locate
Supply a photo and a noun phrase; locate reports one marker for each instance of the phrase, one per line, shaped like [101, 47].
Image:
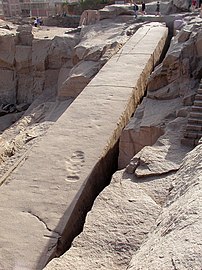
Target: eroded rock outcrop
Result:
[31, 65]
[175, 243]
[98, 43]
[179, 6]
[170, 93]
[121, 217]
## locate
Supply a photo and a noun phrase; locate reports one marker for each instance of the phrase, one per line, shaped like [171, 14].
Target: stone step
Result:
[196, 109]
[196, 121]
[198, 96]
[193, 134]
[193, 127]
[200, 90]
[195, 114]
[198, 103]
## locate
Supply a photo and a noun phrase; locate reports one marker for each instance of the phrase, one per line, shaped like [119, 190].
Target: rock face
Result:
[164, 156]
[182, 62]
[98, 43]
[179, 5]
[175, 243]
[34, 65]
[121, 217]
[89, 17]
[31, 65]
[147, 125]
[170, 92]
[109, 12]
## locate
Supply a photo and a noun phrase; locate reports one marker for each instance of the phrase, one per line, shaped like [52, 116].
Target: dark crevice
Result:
[99, 178]
[75, 215]
[44, 223]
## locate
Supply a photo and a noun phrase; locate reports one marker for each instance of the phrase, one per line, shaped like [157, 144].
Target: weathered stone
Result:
[7, 120]
[184, 35]
[7, 86]
[189, 99]
[40, 50]
[176, 240]
[167, 92]
[89, 17]
[165, 155]
[63, 76]
[7, 52]
[23, 59]
[183, 112]
[181, 63]
[112, 11]
[118, 223]
[92, 47]
[78, 78]
[199, 44]
[145, 128]
[22, 107]
[24, 35]
[179, 5]
[59, 52]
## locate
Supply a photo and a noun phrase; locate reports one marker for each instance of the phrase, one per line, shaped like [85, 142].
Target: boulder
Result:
[184, 35]
[98, 40]
[145, 127]
[59, 52]
[181, 63]
[79, 77]
[165, 155]
[111, 11]
[176, 6]
[89, 17]
[24, 35]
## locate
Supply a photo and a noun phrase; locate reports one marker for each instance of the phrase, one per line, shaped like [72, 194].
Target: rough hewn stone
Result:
[176, 240]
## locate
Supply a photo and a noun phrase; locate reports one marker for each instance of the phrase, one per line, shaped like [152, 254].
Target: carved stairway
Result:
[193, 131]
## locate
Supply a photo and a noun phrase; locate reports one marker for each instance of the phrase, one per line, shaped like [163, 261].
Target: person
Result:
[143, 7]
[157, 8]
[35, 22]
[135, 7]
[40, 21]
